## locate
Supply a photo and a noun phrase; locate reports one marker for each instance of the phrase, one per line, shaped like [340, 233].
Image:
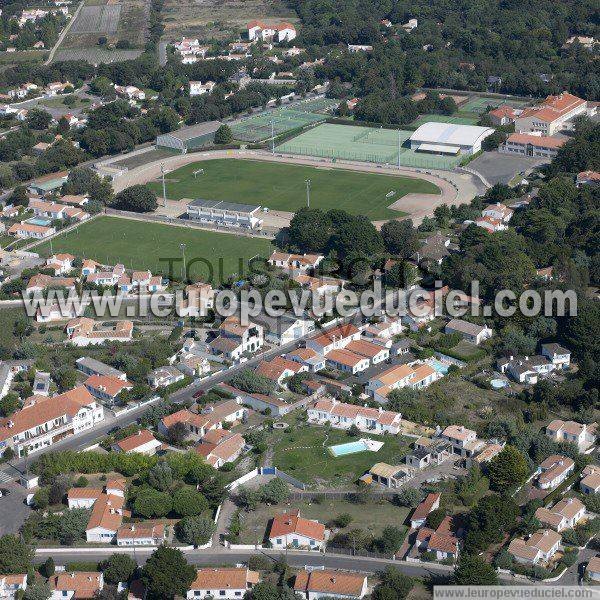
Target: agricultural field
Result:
[283, 187]
[146, 245]
[371, 516]
[302, 452]
[218, 20]
[114, 20]
[363, 144]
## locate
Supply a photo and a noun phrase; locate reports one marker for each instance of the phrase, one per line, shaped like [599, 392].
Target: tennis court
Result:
[363, 144]
[479, 104]
[257, 128]
[457, 120]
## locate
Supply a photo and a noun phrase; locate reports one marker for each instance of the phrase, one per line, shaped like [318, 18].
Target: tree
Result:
[15, 555]
[265, 591]
[137, 198]
[72, 525]
[38, 119]
[343, 520]
[118, 567]
[47, 568]
[195, 530]
[151, 503]
[442, 215]
[188, 502]
[508, 469]
[472, 570]
[167, 574]
[392, 581]
[223, 135]
[160, 476]
[274, 492]
[177, 433]
[253, 383]
[400, 238]
[435, 518]
[38, 590]
[391, 539]
[408, 497]
[9, 404]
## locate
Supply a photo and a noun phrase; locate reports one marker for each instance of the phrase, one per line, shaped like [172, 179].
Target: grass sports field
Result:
[283, 187]
[364, 144]
[142, 245]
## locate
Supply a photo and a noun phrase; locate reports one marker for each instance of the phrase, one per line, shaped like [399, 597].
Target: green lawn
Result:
[371, 517]
[283, 187]
[301, 451]
[145, 245]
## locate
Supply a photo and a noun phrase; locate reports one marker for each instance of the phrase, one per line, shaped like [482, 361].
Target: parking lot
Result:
[497, 167]
[13, 510]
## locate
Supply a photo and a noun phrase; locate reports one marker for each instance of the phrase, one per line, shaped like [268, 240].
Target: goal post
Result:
[198, 172]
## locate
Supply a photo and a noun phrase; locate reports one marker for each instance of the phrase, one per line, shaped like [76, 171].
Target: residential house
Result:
[44, 420]
[199, 299]
[441, 541]
[220, 446]
[235, 340]
[342, 416]
[539, 548]
[164, 376]
[592, 569]
[383, 330]
[29, 230]
[415, 375]
[130, 91]
[83, 332]
[11, 584]
[142, 442]
[76, 584]
[84, 497]
[490, 224]
[471, 332]
[315, 584]
[91, 366]
[498, 211]
[334, 339]
[428, 451]
[355, 48]
[419, 516]
[291, 530]
[590, 482]
[284, 329]
[141, 534]
[60, 263]
[226, 583]
[308, 358]
[282, 32]
[375, 353]
[105, 519]
[565, 514]
[464, 441]
[389, 476]
[583, 436]
[344, 360]
[526, 369]
[559, 356]
[433, 249]
[197, 88]
[40, 282]
[279, 369]
[553, 471]
[296, 263]
[272, 405]
[591, 178]
[106, 387]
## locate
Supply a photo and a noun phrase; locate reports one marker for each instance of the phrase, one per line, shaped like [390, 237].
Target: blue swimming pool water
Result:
[42, 222]
[349, 448]
[440, 367]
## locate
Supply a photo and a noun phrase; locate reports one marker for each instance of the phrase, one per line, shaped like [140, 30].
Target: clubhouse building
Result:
[228, 214]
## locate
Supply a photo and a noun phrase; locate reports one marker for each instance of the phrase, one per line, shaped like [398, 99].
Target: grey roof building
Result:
[189, 138]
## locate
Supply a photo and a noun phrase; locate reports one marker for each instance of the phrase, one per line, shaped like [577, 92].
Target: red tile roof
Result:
[292, 522]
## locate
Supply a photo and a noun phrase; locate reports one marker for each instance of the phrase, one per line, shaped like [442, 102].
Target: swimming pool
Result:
[439, 366]
[41, 222]
[354, 447]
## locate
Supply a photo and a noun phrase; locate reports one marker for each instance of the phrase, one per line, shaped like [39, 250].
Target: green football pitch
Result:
[282, 187]
[146, 245]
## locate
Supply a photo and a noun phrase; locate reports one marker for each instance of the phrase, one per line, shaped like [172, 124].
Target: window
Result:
[221, 592]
